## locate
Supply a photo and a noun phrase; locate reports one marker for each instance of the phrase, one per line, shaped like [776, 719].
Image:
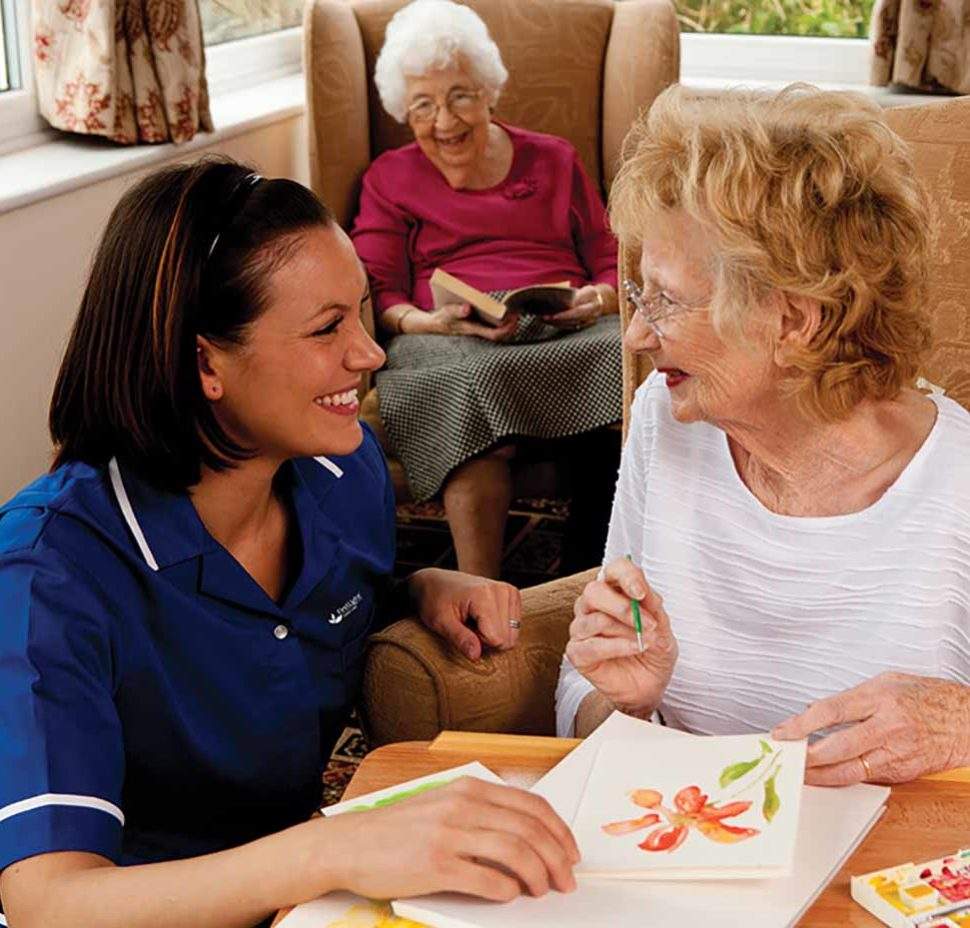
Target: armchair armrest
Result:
[416, 686]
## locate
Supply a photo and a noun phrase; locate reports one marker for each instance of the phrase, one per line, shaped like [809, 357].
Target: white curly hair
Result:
[429, 35]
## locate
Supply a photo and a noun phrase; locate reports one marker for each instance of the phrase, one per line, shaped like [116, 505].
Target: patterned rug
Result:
[533, 551]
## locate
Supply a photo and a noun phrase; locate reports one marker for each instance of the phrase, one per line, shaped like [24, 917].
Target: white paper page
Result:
[691, 806]
[432, 780]
[830, 827]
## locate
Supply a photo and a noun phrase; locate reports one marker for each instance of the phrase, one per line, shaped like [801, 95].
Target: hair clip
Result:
[246, 185]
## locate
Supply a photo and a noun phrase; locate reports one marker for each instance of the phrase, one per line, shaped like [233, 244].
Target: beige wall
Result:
[45, 251]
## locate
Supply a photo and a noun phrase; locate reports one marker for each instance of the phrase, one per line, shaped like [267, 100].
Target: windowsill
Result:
[61, 163]
[885, 96]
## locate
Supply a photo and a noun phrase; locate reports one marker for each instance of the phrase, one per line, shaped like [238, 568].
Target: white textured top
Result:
[772, 612]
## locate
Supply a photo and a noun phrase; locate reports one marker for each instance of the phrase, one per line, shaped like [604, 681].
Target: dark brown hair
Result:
[188, 251]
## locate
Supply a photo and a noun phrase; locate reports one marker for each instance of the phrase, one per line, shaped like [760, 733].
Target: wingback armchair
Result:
[415, 687]
[579, 69]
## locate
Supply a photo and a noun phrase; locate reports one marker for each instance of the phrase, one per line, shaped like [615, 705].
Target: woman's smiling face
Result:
[290, 390]
[457, 135]
[712, 378]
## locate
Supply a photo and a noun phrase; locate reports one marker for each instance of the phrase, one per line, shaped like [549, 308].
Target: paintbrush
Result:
[637, 621]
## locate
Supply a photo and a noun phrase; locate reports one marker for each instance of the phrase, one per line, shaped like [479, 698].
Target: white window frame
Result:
[731, 57]
[19, 122]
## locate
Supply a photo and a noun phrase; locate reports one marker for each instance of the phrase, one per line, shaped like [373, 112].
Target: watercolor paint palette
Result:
[934, 894]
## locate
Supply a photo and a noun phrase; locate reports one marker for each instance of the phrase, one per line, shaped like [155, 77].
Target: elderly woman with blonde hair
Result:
[499, 207]
[798, 514]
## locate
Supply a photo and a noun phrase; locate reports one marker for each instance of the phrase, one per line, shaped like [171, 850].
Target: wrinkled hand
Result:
[449, 601]
[586, 308]
[469, 836]
[458, 319]
[602, 642]
[905, 726]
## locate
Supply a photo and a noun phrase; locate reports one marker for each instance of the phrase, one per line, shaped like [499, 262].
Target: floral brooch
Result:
[522, 188]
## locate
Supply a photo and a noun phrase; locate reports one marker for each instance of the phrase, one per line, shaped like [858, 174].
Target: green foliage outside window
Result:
[837, 18]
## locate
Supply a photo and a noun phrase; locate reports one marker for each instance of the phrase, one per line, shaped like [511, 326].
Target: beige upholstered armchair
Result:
[415, 687]
[579, 69]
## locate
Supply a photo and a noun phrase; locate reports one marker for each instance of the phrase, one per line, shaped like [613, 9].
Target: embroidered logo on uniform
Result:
[346, 609]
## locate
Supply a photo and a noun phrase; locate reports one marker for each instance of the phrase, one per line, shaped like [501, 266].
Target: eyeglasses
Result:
[656, 307]
[460, 103]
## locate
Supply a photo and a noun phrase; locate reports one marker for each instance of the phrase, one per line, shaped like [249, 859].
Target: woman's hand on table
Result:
[602, 642]
[589, 303]
[469, 836]
[458, 319]
[903, 725]
[467, 611]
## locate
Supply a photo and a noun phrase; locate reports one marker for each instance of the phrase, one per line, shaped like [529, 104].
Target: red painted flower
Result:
[692, 810]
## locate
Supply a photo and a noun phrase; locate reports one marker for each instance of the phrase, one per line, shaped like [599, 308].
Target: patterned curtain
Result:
[130, 70]
[922, 43]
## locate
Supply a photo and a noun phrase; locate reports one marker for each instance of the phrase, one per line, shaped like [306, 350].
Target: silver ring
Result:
[514, 624]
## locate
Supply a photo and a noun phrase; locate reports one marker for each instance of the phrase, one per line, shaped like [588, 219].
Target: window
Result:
[226, 20]
[829, 18]
[9, 57]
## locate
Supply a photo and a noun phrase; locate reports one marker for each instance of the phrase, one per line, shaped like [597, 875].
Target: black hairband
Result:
[236, 199]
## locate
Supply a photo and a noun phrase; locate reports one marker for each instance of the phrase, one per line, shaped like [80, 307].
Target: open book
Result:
[699, 808]
[492, 307]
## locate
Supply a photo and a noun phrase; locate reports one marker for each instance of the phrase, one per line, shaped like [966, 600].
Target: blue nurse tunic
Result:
[155, 703]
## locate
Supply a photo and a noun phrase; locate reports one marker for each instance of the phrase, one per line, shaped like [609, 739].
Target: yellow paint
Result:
[890, 892]
[962, 919]
[373, 915]
[919, 891]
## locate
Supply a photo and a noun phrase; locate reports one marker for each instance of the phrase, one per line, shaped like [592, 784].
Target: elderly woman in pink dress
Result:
[499, 207]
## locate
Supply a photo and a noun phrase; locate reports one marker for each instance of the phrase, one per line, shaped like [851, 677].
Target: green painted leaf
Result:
[772, 803]
[736, 771]
[397, 797]
[766, 747]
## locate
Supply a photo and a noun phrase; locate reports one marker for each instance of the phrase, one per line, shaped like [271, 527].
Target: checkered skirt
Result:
[445, 399]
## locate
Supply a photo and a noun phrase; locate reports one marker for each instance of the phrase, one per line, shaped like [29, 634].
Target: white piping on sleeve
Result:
[61, 799]
[121, 494]
[333, 468]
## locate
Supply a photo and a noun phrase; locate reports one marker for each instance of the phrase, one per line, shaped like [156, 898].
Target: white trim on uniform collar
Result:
[61, 799]
[333, 468]
[128, 511]
[121, 495]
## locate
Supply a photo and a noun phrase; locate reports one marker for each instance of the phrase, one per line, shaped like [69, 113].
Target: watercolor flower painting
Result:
[693, 811]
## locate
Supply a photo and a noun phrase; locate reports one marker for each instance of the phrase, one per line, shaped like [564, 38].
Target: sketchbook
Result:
[704, 808]
[493, 306]
[831, 824]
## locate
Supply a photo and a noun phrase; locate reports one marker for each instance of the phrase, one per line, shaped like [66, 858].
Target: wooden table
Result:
[924, 819]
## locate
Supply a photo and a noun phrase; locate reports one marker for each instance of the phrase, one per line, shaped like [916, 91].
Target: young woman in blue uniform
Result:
[185, 598]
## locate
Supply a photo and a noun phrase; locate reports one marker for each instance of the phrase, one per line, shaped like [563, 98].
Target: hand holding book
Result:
[587, 306]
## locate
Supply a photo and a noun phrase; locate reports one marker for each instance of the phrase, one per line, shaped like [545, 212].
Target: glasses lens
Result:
[463, 103]
[422, 111]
